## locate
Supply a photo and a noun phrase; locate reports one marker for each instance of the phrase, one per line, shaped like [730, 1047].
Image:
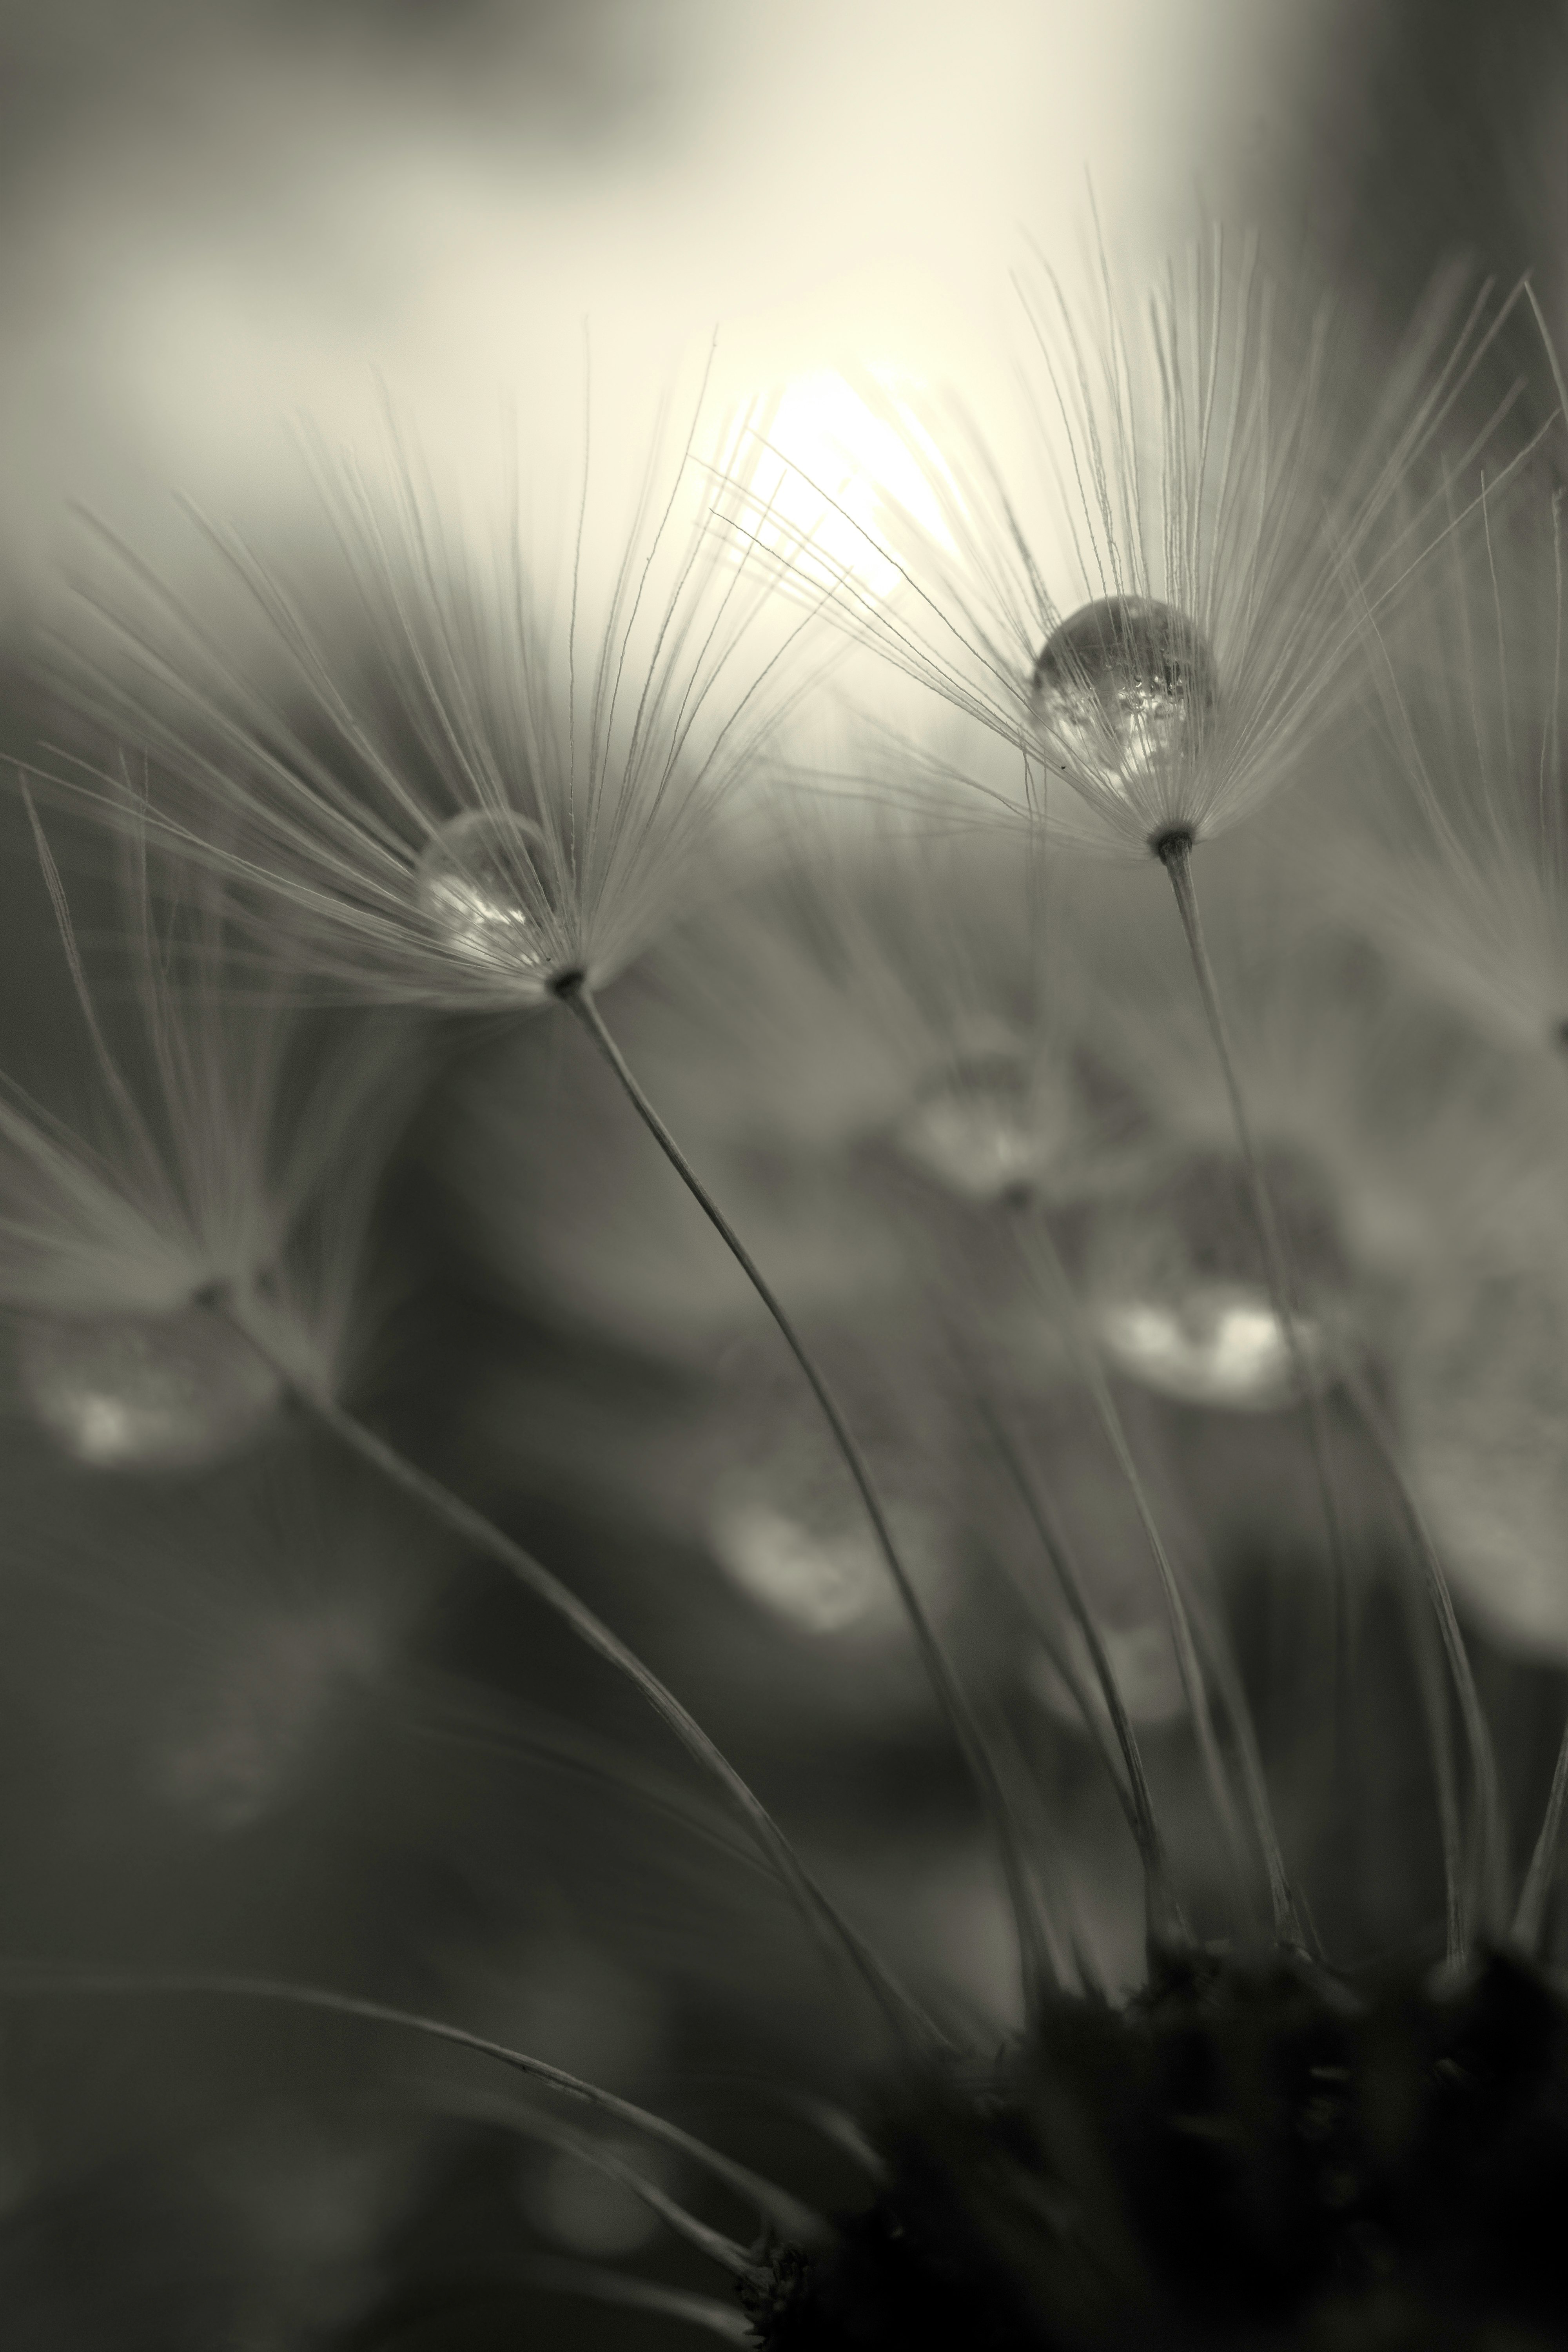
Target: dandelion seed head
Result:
[145, 1392]
[1121, 691]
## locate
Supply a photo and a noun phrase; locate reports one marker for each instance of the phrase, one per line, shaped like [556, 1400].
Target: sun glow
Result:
[820, 466]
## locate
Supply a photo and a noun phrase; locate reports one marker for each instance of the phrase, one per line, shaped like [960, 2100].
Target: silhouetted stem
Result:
[1489, 1838]
[1531, 1912]
[1165, 1925]
[831, 1929]
[1040, 1246]
[777, 2205]
[1035, 1959]
[1175, 855]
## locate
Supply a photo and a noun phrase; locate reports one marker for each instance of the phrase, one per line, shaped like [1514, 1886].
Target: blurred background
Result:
[260, 1715]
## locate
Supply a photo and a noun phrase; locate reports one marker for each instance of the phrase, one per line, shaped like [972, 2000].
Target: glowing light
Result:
[1122, 688]
[145, 1392]
[480, 881]
[828, 466]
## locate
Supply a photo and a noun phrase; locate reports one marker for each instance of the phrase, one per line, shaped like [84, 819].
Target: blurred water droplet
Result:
[986, 1126]
[258, 1721]
[146, 1392]
[582, 2208]
[1178, 1294]
[482, 881]
[822, 1580]
[1120, 690]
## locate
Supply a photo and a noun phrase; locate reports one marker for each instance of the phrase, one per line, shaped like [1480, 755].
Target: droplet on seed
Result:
[1120, 690]
[483, 882]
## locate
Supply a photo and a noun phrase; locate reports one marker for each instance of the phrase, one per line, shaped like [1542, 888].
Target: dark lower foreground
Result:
[1246, 2156]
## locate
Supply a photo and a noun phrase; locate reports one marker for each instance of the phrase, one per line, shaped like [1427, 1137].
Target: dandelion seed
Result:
[228, 1155]
[1462, 871]
[1164, 619]
[467, 764]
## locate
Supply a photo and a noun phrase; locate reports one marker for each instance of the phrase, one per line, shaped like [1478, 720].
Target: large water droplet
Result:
[1120, 690]
[1179, 1296]
[483, 881]
[145, 1391]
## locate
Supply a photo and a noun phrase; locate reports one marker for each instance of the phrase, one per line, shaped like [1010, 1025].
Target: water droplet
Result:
[1120, 690]
[145, 1391]
[1178, 1293]
[821, 1579]
[985, 1126]
[482, 881]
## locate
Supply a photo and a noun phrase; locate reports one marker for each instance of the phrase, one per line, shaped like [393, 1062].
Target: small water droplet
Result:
[145, 1391]
[1122, 688]
[483, 881]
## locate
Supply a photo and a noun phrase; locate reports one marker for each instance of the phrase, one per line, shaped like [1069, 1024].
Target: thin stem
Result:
[1440, 1738]
[776, 2205]
[1531, 1912]
[830, 1928]
[1034, 1954]
[1175, 853]
[1488, 1838]
[601, 2285]
[1041, 1249]
[1165, 1924]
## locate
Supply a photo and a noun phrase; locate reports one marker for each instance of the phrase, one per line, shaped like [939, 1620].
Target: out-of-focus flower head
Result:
[1467, 881]
[1163, 621]
[468, 760]
[225, 1151]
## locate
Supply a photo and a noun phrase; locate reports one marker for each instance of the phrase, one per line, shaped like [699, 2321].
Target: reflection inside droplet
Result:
[1120, 690]
[144, 1392]
[1178, 1295]
[482, 882]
